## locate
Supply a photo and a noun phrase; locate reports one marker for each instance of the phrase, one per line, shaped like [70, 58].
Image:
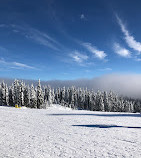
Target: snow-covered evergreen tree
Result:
[27, 96]
[101, 103]
[40, 98]
[33, 97]
[11, 95]
[98, 98]
[105, 100]
[3, 94]
[63, 96]
[49, 96]
[6, 95]
[53, 96]
[75, 98]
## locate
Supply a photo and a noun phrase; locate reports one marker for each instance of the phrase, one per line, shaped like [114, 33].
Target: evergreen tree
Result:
[6, 95]
[27, 96]
[53, 96]
[3, 93]
[40, 98]
[11, 96]
[63, 96]
[98, 101]
[33, 97]
[105, 100]
[101, 103]
[78, 98]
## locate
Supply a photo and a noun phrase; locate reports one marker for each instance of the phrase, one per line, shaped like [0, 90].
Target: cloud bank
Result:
[122, 84]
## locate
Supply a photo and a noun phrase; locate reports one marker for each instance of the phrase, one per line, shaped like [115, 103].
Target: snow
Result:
[62, 132]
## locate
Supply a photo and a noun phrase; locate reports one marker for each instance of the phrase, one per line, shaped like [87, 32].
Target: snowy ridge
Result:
[59, 132]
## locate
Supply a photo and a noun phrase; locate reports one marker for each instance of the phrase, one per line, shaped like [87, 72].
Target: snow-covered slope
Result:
[65, 133]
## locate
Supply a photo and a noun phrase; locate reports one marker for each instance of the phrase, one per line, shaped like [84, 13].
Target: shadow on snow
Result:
[105, 115]
[105, 126]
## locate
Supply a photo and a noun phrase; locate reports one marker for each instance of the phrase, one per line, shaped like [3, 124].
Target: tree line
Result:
[76, 98]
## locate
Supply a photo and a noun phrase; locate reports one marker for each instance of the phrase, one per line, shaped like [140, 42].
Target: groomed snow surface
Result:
[65, 133]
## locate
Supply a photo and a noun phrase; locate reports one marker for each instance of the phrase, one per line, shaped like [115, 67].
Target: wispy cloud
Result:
[106, 69]
[78, 57]
[3, 25]
[137, 59]
[98, 53]
[123, 52]
[37, 36]
[22, 65]
[2, 61]
[14, 65]
[82, 17]
[2, 49]
[43, 39]
[130, 40]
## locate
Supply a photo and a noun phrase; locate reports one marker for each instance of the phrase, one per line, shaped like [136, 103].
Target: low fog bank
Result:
[123, 84]
[127, 85]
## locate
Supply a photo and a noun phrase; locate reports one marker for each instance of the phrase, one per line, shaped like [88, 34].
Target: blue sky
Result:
[51, 39]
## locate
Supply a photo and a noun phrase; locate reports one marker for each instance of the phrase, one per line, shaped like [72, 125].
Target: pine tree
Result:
[67, 97]
[33, 98]
[80, 99]
[93, 97]
[11, 96]
[21, 93]
[105, 100]
[6, 95]
[72, 98]
[3, 94]
[49, 94]
[110, 100]
[101, 103]
[131, 106]
[75, 98]
[16, 84]
[98, 101]
[40, 98]
[27, 96]
[63, 96]
[53, 96]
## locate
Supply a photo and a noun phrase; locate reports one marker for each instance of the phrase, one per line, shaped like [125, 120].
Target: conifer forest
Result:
[76, 98]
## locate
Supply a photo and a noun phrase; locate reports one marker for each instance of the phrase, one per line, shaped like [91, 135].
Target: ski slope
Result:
[65, 133]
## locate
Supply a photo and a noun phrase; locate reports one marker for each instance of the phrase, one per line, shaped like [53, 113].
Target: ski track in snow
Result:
[65, 133]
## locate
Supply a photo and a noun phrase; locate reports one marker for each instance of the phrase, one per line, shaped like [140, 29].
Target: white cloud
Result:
[121, 51]
[82, 16]
[15, 65]
[78, 57]
[2, 49]
[106, 69]
[43, 39]
[37, 36]
[22, 65]
[98, 53]
[2, 61]
[3, 25]
[137, 59]
[130, 40]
